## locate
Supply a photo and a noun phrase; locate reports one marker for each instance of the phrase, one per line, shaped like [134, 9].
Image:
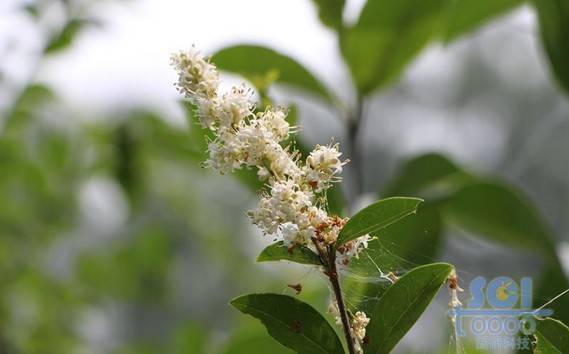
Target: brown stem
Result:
[333, 276]
[328, 259]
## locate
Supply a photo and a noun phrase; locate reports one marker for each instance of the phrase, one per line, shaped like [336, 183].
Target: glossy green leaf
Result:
[402, 305]
[330, 12]
[467, 15]
[387, 37]
[499, 213]
[293, 323]
[263, 66]
[378, 216]
[409, 242]
[429, 171]
[415, 238]
[552, 337]
[278, 252]
[554, 28]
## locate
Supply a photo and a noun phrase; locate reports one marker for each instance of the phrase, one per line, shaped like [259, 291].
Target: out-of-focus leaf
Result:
[30, 100]
[257, 344]
[336, 201]
[253, 338]
[401, 306]
[127, 165]
[136, 270]
[278, 251]
[429, 171]
[386, 38]
[330, 12]
[292, 322]
[467, 15]
[256, 63]
[552, 337]
[500, 214]
[552, 282]
[66, 36]
[378, 216]
[190, 338]
[250, 179]
[554, 27]
[32, 10]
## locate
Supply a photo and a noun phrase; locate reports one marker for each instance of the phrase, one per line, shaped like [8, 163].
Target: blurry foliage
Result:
[44, 168]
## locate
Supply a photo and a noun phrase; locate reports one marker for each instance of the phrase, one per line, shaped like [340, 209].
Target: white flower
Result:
[290, 233]
[263, 173]
[351, 249]
[281, 163]
[223, 157]
[235, 106]
[208, 112]
[286, 205]
[334, 311]
[325, 158]
[244, 139]
[196, 76]
[274, 120]
[322, 166]
[359, 323]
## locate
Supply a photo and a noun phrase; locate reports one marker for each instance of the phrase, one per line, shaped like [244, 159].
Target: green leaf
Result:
[278, 251]
[378, 216]
[429, 171]
[190, 338]
[499, 213]
[330, 12]
[554, 28]
[31, 99]
[336, 201]
[552, 337]
[254, 344]
[415, 240]
[552, 282]
[249, 337]
[467, 15]
[387, 37]
[263, 66]
[293, 323]
[66, 36]
[402, 305]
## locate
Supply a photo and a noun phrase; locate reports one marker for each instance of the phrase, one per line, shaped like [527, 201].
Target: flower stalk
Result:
[293, 208]
[333, 276]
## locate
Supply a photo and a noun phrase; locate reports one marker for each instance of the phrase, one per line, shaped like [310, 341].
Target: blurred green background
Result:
[113, 239]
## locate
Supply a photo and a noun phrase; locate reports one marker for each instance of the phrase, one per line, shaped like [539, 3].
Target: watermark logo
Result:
[499, 313]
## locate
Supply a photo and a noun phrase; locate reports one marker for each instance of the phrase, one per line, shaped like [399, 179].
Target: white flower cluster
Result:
[358, 324]
[292, 208]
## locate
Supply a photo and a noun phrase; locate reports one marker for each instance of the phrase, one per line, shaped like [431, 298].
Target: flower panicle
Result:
[292, 208]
